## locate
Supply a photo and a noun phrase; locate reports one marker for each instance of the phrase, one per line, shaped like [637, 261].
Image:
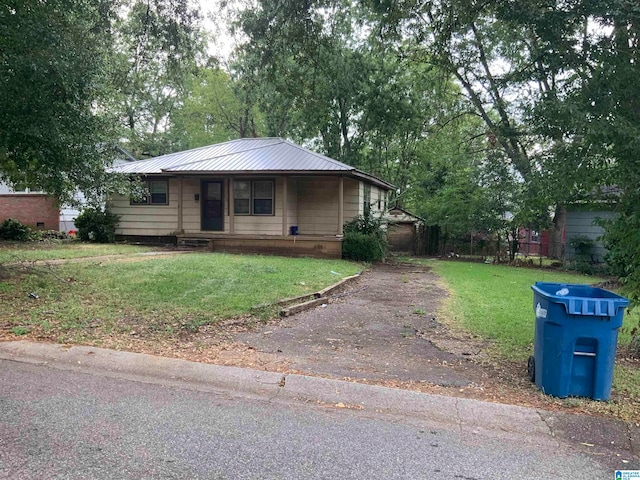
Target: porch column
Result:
[340, 205]
[180, 199]
[285, 187]
[230, 206]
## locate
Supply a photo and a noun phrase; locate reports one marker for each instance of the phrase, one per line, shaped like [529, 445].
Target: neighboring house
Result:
[35, 209]
[582, 222]
[533, 242]
[402, 229]
[41, 211]
[264, 195]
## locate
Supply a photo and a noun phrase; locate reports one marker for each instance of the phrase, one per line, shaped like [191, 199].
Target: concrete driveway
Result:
[383, 327]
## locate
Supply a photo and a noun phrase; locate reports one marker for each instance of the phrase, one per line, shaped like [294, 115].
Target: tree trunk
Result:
[556, 235]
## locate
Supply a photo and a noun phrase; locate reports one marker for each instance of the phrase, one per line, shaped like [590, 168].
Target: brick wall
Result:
[31, 209]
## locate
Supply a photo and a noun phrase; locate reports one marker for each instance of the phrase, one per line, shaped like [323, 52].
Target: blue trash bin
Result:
[576, 333]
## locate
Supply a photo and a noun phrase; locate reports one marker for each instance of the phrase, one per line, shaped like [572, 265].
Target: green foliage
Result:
[18, 330]
[583, 246]
[97, 225]
[52, 136]
[622, 240]
[156, 48]
[12, 229]
[367, 224]
[365, 239]
[50, 235]
[363, 247]
[212, 112]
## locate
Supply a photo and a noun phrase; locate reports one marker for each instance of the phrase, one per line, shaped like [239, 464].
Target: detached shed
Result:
[402, 227]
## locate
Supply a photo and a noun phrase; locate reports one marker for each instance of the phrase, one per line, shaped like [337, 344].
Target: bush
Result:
[363, 247]
[50, 235]
[95, 225]
[366, 224]
[365, 239]
[12, 229]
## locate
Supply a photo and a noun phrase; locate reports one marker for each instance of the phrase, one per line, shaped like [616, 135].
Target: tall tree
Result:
[501, 63]
[213, 110]
[323, 80]
[52, 62]
[303, 59]
[157, 45]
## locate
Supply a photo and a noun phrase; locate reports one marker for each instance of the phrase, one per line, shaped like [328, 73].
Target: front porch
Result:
[319, 246]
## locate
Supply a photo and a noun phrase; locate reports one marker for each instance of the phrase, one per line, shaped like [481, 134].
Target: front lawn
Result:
[52, 250]
[495, 302]
[86, 301]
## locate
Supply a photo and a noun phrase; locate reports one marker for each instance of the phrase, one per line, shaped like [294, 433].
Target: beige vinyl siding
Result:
[292, 203]
[377, 201]
[243, 224]
[190, 206]
[147, 219]
[318, 206]
[312, 205]
[353, 194]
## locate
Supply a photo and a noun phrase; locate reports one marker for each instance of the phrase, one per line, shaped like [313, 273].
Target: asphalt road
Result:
[61, 424]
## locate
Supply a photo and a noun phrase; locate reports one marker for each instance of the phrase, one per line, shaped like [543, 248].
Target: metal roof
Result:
[246, 155]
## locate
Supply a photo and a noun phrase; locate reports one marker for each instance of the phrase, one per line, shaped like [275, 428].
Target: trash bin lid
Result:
[581, 299]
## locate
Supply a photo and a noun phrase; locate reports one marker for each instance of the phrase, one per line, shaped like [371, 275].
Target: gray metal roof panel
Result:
[271, 156]
[173, 160]
[245, 155]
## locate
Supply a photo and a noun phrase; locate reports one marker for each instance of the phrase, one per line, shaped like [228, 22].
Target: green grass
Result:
[496, 301]
[31, 251]
[160, 294]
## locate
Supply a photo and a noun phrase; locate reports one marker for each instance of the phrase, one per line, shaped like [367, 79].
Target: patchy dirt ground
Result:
[379, 328]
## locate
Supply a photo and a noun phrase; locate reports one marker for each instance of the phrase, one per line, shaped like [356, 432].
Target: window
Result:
[263, 197]
[253, 197]
[157, 193]
[367, 199]
[242, 197]
[535, 237]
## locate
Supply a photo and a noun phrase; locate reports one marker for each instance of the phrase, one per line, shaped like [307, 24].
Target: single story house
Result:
[262, 195]
[39, 210]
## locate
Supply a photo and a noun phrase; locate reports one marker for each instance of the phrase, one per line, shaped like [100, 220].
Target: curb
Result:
[474, 417]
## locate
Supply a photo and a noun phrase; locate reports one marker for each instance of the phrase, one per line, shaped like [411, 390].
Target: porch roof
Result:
[245, 156]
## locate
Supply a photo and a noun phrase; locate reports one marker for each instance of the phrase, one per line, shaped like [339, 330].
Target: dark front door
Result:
[212, 205]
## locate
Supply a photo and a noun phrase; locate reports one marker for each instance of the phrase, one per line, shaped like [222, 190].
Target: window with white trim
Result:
[253, 197]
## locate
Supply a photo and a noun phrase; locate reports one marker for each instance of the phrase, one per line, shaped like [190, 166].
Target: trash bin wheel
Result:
[531, 368]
